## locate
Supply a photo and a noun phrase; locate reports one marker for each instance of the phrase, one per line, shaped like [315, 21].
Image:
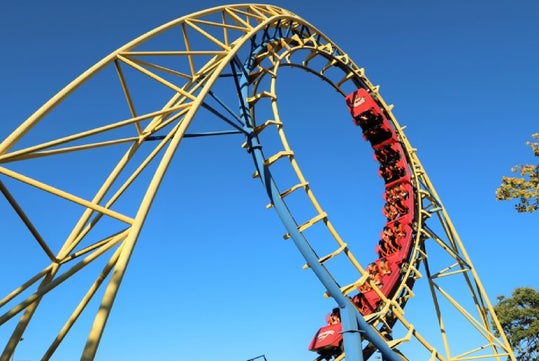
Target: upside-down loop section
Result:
[388, 280]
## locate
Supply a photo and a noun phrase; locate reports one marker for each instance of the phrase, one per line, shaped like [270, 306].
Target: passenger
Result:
[372, 126]
[386, 155]
[390, 211]
[400, 206]
[385, 173]
[400, 231]
[398, 172]
[365, 287]
[356, 300]
[392, 172]
[396, 203]
[376, 278]
[394, 209]
[397, 192]
[377, 135]
[334, 316]
[390, 239]
[392, 244]
[360, 302]
[383, 266]
[381, 250]
[385, 248]
[368, 120]
[388, 234]
[401, 192]
[372, 267]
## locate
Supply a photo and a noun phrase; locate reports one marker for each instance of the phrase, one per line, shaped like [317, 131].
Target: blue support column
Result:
[352, 335]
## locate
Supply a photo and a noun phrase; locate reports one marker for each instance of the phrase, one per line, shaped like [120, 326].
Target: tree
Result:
[519, 318]
[524, 188]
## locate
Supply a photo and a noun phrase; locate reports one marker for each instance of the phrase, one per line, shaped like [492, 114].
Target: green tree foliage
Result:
[519, 318]
[525, 187]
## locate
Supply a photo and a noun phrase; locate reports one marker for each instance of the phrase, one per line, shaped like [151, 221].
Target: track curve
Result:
[397, 287]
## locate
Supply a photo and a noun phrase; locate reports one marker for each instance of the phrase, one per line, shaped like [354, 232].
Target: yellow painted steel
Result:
[226, 29]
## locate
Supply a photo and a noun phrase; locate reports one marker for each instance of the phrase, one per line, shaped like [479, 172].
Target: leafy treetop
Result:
[525, 187]
[519, 318]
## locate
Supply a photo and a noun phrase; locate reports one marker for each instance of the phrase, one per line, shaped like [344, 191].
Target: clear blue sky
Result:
[211, 277]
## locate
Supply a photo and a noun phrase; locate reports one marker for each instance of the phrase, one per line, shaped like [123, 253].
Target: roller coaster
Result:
[207, 65]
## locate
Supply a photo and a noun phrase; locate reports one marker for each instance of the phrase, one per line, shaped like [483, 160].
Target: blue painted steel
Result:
[355, 328]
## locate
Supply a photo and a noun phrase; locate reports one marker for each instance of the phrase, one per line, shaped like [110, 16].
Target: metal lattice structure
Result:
[161, 84]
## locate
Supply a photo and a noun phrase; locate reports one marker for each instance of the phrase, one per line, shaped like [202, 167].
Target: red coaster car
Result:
[328, 341]
[370, 117]
[359, 102]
